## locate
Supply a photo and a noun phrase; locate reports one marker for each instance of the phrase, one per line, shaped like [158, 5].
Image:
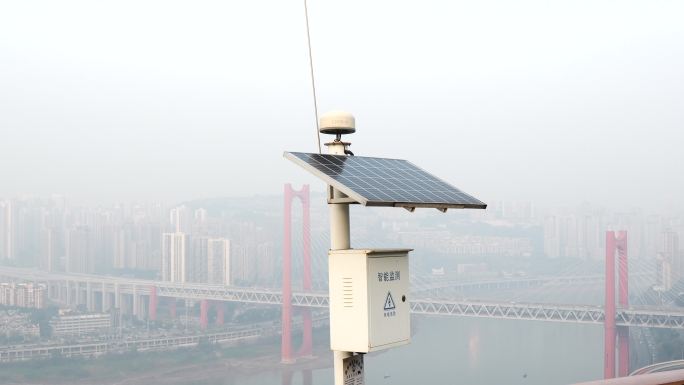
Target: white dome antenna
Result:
[337, 123]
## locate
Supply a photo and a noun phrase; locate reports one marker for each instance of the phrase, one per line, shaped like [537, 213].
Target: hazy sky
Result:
[554, 102]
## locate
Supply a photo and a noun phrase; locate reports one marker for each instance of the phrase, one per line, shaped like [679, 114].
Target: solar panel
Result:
[384, 182]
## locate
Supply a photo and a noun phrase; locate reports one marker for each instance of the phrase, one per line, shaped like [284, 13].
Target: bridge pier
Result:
[152, 304]
[68, 293]
[128, 304]
[79, 295]
[117, 296]
[136, 303]
[63, 290]
[83, 295]
[90, 299]
[123, 304]
[172, 307]
[219, 312]
[204, 314]
[106, 305]
[50, 290]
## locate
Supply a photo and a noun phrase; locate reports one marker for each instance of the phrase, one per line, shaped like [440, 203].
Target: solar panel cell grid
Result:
[384, 182]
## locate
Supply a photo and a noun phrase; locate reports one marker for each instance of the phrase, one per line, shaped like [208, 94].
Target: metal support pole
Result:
[339, 240]
[339, 212]
[623, 299]
[339, 224]
[609, 322]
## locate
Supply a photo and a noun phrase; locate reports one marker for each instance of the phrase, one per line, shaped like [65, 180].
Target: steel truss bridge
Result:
[633, 316]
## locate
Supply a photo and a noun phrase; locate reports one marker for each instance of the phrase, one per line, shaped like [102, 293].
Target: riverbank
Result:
[181, 366]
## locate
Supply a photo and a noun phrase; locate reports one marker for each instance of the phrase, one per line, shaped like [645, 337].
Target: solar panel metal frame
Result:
[358, 198]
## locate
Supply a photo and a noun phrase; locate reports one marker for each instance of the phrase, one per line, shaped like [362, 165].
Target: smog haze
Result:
[551, 102]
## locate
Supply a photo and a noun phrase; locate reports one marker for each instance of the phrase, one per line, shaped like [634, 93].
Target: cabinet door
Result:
[388, 284]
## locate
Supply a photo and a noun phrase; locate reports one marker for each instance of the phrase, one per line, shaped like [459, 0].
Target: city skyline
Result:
[464, 248]
[225, 243]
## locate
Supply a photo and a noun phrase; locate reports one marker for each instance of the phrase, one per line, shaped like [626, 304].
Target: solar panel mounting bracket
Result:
[443, 208]
[333, 200]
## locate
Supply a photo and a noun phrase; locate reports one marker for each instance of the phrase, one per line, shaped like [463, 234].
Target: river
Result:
[451, 350]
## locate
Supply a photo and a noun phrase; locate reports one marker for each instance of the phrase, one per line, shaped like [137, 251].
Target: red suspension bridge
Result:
[141, 297]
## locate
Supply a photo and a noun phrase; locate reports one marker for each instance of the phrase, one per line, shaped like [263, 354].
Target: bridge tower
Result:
[287, 355]
[612, 333]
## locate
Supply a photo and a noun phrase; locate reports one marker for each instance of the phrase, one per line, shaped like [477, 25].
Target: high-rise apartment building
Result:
[242, 269]
[120, 244]
[148, 239]
[79, 250]
[200, 220]
[670, 255]
[175, 257]
[28, 217]
[136, 246]
[7, 230]
[103, 230]
[265, 263]
[218, 261]
[181, 219]
[197, 271]
[552, 237]
[49, 251]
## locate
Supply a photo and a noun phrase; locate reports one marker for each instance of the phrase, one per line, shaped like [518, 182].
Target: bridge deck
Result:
[637, 316]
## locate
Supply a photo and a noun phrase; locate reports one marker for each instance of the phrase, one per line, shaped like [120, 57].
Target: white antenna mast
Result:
[313, 82]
